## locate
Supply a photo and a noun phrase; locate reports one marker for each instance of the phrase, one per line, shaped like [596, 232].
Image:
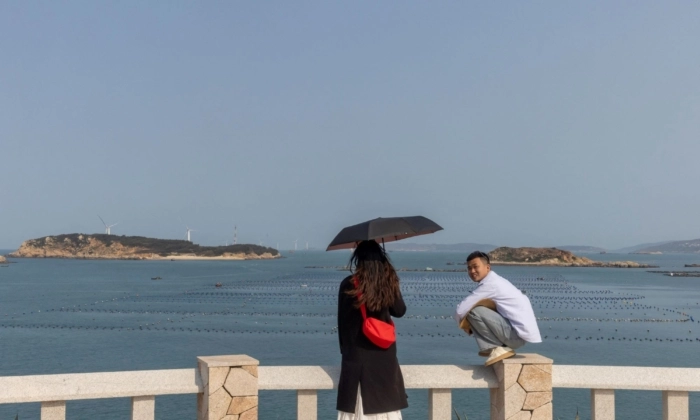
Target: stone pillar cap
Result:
[528, 359]
[228, 360]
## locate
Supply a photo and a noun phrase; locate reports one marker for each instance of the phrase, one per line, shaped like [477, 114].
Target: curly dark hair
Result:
[378, 281]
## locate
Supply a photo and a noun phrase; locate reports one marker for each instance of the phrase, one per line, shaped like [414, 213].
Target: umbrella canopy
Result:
[383, 229]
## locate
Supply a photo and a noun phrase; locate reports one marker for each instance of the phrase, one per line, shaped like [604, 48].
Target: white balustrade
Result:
[52, 391]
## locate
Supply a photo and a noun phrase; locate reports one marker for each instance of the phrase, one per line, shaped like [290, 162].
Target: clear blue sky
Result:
[510, 123]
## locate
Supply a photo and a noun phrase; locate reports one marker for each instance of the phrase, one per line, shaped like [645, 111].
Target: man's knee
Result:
[477, 313]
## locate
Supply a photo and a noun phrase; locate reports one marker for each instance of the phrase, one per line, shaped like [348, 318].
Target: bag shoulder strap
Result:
[363, 309]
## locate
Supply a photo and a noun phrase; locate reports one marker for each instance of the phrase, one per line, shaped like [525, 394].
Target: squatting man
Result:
[496, 313]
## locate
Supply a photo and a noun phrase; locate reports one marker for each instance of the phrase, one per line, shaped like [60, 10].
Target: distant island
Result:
[583, 249]
[113, 247]
[676, 247]
[668, 247]
[633, 249]
[552, 257]
[462, 247]
[3, 260]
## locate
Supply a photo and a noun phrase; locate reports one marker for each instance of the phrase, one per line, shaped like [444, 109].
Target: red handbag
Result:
[381, 334]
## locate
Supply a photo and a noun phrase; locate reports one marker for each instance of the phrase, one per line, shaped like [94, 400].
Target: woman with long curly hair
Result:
[371, 385]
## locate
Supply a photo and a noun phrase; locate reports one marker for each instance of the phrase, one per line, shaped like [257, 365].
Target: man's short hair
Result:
[478, 254]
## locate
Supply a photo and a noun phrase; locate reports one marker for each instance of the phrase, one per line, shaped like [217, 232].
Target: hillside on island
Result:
[103, 246]
[633, 249]
[551, 257]
[582, 249]
[676, 247]
[462, 247]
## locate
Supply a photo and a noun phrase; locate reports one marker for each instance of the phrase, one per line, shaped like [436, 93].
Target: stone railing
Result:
[227, 387]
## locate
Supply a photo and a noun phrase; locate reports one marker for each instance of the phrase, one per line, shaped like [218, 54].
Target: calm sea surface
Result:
[71, 316]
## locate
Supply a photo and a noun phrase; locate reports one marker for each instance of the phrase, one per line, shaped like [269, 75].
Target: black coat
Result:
[375, 369]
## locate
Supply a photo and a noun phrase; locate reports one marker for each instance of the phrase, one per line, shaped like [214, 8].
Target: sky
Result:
[509, 123]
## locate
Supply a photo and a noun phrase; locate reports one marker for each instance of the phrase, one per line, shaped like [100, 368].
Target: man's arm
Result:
[481, 292]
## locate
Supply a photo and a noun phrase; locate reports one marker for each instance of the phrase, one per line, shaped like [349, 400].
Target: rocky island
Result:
[113, 247]
[552, 257]
[3, 260]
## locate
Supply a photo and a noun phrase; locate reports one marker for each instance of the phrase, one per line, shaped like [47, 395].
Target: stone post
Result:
[675, 405]
[230, 388]
[53, 410]
[602, 404]
[524, 388]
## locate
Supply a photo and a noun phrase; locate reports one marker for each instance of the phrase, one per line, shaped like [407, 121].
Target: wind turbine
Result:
[188, 233]
[107, 228]
[307, 245]
[188, 229]
[295, 244]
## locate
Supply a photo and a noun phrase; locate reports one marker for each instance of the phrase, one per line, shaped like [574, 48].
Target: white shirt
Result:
[511, 303]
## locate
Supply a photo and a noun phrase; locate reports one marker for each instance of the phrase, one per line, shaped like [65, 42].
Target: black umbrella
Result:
[383, 229]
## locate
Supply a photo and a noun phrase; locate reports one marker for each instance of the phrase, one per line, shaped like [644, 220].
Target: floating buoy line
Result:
[305, 304]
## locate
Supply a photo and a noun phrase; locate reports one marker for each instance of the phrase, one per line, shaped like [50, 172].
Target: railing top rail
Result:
[415, 376]
[83, 386]
[626, 377]
[78, 386]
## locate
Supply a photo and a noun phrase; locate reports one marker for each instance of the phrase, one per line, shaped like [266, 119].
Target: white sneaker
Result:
[498, 354]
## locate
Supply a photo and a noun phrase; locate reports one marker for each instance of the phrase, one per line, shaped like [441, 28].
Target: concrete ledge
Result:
[448, 376]
[66, 387]
[83, 386]
[415, 376]
[626, 377]
[298, 377]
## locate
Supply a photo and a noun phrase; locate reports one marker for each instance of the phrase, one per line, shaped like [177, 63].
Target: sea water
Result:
[73, 316]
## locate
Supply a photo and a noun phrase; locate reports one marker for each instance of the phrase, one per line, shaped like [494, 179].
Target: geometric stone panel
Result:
[219, 402]
[546, 368]
[511, 374]
[240, 383]
[251, 414]
[242, 404]
[514, 399]
[536, 399]
[230, 388]
[521, 415]
[217, 377]
[253, 370]
[534, 379]
[543, 413]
